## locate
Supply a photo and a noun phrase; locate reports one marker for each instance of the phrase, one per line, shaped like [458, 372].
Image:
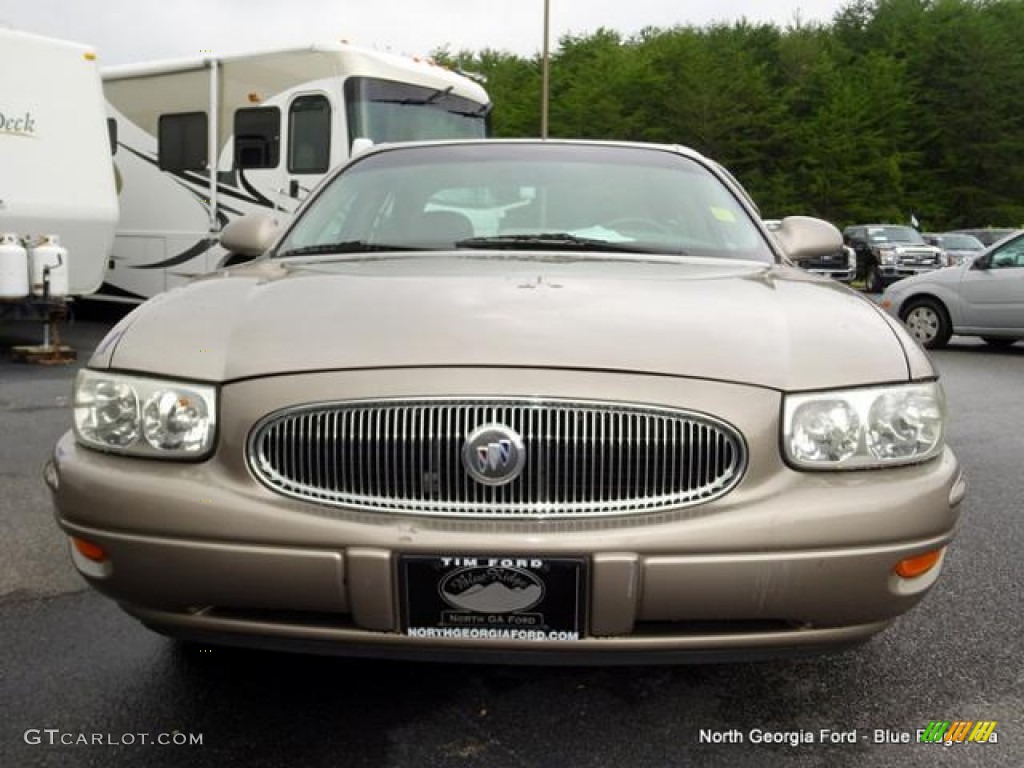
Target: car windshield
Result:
[895, 235]
[519, 196]
[958, 242]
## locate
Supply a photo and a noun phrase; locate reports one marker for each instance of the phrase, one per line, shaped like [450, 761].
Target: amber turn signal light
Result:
[918, 564]
[89, 550]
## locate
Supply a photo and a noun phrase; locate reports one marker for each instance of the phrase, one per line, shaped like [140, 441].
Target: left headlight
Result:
[860, 428]
[144, 417]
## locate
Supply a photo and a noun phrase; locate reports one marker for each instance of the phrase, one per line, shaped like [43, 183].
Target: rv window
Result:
[112, 134]
[309, 135]
[182, 141]
[386, 110]
[257, 137]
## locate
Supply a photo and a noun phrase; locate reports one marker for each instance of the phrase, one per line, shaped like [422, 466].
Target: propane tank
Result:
[13, 268]
[49, 253]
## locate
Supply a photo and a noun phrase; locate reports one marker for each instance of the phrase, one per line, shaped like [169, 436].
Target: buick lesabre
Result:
[513, 400]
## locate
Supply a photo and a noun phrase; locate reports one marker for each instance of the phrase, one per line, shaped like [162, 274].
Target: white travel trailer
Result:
[56, 176]
[200, 142]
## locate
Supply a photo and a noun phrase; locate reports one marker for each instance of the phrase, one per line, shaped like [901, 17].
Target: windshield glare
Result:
[495, 195]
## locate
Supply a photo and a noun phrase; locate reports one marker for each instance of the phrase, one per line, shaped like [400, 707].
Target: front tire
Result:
[928, 322]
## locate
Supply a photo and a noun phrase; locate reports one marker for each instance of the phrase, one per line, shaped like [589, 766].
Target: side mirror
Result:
[250, 235]
[360, 145]
[803, 237]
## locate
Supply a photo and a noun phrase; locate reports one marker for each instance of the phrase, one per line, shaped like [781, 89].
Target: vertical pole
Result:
[545, 72]
[213, 138]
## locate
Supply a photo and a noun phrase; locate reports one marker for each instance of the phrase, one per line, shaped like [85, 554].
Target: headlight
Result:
[858, 428]
[144, 417]
[886, 256]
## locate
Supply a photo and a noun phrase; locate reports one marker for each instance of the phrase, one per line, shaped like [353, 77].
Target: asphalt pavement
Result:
[81, 683]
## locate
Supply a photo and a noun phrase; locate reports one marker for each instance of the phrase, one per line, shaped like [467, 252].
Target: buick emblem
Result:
[493, 454]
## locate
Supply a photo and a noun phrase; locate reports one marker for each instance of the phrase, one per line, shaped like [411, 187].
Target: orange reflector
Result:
[89, 550]
[255, 98]
[918, 564]
[90, 56]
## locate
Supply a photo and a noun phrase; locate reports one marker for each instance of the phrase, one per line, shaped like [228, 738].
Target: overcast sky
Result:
[128, 31]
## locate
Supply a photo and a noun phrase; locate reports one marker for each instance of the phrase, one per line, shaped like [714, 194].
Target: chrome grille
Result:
[582, 459]
[922, 257]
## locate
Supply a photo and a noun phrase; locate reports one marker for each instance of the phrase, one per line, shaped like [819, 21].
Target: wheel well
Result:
[924, 298]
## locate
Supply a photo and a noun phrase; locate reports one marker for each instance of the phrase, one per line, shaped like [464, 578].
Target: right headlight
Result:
[860, 428]
[144, 417]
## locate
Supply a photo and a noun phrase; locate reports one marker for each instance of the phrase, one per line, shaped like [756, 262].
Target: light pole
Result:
[545, 83]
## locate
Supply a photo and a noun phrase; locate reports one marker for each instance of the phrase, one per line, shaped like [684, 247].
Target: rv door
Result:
[308, 138]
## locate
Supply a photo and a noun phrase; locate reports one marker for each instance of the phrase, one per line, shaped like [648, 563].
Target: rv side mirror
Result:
[249, 235]
[804, 237]
[360, 145]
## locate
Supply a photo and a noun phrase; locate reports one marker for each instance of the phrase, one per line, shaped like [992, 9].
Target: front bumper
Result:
[787, 562]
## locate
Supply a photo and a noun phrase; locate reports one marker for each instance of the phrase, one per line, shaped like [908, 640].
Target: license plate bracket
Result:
[493, 597]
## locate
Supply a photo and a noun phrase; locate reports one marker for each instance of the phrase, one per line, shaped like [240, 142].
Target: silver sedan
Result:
[984, 297]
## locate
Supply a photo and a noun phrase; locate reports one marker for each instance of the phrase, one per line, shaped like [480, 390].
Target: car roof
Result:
[679, 149]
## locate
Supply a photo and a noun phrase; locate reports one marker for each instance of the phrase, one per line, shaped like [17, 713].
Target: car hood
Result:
[948, 276]
[777, 327]
[911, 247]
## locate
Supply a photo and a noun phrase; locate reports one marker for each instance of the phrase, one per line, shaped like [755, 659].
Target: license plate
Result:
[492, 598]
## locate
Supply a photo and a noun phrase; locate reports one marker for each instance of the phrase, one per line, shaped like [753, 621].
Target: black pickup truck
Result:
[888, 252]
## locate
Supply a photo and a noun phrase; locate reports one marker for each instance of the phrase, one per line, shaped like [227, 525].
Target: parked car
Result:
[611, 423]
[958, 246]
[840, 265]
[983, 297]
[889, 252]
[989, 235]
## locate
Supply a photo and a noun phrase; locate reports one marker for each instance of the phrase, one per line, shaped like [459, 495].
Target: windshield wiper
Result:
[349, 246]
[553, 240]
[483, 110]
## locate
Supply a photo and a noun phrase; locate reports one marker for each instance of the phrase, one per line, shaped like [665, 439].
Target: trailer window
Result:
[309, 135]
[257, 137]
[182, 141]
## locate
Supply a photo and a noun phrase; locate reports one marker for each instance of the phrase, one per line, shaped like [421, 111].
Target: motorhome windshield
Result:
[388, 111]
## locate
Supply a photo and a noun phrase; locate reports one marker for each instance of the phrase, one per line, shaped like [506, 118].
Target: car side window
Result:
[1010, 255]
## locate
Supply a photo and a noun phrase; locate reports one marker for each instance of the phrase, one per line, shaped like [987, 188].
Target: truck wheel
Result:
[928, 322]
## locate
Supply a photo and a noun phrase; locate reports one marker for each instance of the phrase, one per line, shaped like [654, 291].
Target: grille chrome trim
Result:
[584, 458]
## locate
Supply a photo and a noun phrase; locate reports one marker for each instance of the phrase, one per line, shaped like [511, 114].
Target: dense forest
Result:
[896, 106]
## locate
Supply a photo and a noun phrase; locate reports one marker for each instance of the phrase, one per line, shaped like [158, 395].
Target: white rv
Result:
[200, 142]
[56, 176]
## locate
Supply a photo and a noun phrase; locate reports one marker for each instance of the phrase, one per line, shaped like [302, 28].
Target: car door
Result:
[992, 291]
